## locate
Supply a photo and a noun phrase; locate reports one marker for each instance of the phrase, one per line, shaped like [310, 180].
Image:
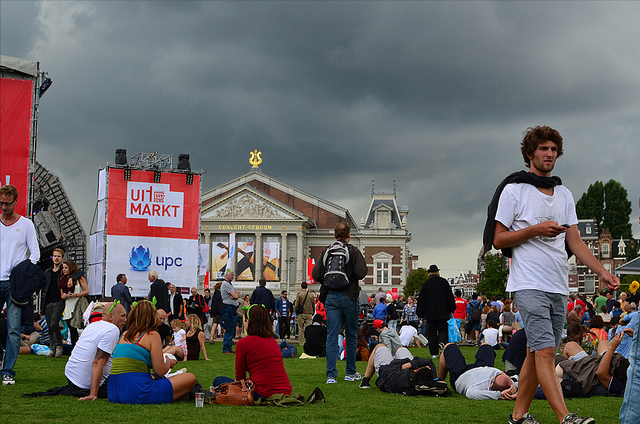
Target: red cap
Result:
[378, 323]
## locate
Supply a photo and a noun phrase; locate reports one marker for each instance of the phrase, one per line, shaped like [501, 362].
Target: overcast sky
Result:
[435, 95]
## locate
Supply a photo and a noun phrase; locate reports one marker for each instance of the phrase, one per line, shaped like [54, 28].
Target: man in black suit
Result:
[175, 304]
[159, 291]
[121, 292]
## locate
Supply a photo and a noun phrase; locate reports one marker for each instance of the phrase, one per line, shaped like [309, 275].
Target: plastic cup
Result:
[199, 400]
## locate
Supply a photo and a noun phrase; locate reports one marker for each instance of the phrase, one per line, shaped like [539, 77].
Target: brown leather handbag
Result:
[234, 393]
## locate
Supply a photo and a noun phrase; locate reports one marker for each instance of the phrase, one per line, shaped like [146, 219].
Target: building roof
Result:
[588, 228]
[631, 267]
[257, 174]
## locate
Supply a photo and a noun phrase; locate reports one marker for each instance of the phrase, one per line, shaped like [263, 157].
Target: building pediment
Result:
[247, 203]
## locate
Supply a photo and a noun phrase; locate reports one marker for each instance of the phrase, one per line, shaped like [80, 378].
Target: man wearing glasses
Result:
[17, 237]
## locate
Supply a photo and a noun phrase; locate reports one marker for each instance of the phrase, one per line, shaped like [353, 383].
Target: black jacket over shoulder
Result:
[356, 270]
[436, 301]
[25, 280]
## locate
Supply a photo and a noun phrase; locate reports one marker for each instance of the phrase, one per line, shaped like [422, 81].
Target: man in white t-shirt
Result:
[535, 216]
[89, 365]
[408, 335]
[17, 237]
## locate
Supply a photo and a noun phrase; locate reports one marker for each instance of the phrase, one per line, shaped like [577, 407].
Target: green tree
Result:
[617, 212]
[415, 281]
[591, 204]
[494, 276]
[609, 205]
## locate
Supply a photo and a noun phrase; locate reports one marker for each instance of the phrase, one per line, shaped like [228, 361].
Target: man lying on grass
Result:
[477, 381]
[404, 374]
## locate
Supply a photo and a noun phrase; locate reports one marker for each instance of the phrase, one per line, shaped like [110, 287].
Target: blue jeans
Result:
[228, 323]
[341, 309]
[629, 412]
[14, 318]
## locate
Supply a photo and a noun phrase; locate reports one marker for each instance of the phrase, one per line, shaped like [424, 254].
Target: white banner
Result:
[176, 260]
[204, 258]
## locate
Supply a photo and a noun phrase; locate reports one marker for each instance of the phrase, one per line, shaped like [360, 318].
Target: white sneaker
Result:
[7, 380]
[353, 377]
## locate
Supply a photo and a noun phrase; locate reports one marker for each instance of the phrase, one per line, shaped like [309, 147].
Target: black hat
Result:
[433, 268]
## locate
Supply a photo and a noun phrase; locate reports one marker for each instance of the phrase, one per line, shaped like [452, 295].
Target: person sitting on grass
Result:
[397, 375]
[139, 351]
[259, 355]
[195, 339]
[387, 336]
[477, 381]
[87, 370]
[316, 337]
[491, 335]
[409, 335]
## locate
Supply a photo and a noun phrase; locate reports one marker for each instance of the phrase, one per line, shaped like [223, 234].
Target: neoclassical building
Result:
[278, 229]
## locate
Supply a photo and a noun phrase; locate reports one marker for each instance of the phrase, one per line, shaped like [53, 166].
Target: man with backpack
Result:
[339, 268]
[474, 312]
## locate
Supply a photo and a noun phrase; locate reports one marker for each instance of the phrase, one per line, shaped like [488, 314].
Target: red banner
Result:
[141, 207]
[16, 98]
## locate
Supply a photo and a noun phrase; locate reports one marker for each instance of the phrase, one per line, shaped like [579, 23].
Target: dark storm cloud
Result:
[432, 94]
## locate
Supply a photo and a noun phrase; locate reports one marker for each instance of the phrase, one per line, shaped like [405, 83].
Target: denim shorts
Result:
[544, 316]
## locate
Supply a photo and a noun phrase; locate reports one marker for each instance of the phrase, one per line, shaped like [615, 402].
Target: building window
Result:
[382, 272]
[605, 250]
[382, 267]
[590, 284]
[588, 229]
[607, 267]
[622, 249]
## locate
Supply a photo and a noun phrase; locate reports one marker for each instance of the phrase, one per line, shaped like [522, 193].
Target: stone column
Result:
[299, 259]
[284, 260]
[257, 257]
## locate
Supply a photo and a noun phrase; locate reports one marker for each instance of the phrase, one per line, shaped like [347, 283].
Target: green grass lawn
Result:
[345, 401]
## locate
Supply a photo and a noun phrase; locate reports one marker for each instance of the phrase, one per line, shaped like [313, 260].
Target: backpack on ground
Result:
[476, 312]
[335, 262]
[435, 387]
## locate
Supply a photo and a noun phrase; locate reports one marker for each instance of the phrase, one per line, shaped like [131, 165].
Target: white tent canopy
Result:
[19, 65]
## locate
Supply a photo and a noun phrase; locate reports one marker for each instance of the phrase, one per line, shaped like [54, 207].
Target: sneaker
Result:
[574, 419]
[365, 384]
[526, 419]
[58, 351]
[434, 356]
[7, 380]
[331, 380]
[353, 377]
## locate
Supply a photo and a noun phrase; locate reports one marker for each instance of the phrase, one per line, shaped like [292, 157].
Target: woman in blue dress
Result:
[139, 351]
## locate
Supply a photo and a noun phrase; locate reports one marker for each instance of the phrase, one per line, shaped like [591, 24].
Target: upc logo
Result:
[140, 258]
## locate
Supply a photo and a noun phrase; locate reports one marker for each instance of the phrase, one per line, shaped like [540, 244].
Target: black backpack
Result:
[476, 312]
[335, 262]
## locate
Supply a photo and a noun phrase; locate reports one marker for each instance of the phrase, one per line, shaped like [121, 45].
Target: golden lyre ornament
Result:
[255, 158]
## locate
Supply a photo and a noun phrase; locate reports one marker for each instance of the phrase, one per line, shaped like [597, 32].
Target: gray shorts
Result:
[544, 316]
[382, 356]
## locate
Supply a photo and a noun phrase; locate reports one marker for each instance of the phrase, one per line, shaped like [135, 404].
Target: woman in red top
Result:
[259, 355]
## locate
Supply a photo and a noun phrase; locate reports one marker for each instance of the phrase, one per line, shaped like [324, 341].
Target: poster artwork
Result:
[245, 268]
[219, 259]
[271, 261]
